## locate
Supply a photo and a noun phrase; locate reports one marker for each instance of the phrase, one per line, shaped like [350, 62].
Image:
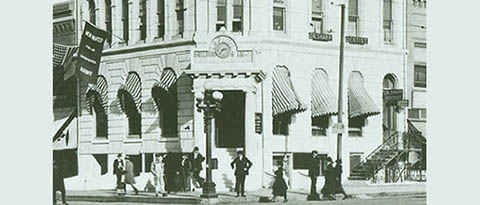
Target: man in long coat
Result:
[241, 164]
[313, 173]
[197, 160]
[185, 173]
[329, 186]
[337, 171]
[130, 175]
[118, 169]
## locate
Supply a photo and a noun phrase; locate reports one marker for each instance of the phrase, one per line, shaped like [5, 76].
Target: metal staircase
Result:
[378, 159]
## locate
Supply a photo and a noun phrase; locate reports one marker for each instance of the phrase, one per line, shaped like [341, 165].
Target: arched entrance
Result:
[389, 109]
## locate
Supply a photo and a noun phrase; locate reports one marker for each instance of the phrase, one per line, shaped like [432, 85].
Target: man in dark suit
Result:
[197, 160]
[242, 164]
[118, 169]
[185, 173]
[313, 173]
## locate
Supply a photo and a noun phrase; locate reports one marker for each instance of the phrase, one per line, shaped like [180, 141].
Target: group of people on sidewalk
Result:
[168, 173]
[333, 178]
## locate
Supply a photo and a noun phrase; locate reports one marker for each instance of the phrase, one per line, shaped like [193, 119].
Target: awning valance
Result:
[284, 97]
[359, 101]
[130, 92]
[323, 99]
[167, 80]
[62, 53]
[65, 135]
[98, 93]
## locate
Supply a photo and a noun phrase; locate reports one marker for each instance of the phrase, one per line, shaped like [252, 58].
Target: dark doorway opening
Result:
[230, 121]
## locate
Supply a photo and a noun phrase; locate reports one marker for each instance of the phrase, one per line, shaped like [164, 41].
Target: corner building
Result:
[276, 63]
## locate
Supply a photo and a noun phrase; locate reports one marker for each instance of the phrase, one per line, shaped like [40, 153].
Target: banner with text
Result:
[90, 52]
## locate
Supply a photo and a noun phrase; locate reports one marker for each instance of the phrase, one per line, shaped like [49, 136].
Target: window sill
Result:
[100, 140]
[169, 139]
[132, 139]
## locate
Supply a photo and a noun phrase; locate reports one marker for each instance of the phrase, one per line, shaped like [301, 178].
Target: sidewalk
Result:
[356, 190]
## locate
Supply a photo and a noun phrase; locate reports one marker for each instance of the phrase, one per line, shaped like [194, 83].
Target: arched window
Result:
[108, 20]
[389, 82]
[164, 93]
[97, 100]
[91, 11]
[130, 97]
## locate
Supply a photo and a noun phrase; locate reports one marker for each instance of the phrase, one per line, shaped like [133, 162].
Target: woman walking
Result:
[279, 186]
[130, 175]
[157, 170]
[328, 189]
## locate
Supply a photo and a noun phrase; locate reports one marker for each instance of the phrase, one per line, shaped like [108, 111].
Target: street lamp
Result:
[209, 103]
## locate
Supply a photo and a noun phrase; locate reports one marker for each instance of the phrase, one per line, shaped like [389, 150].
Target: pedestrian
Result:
[58, 183]
[157, 170]
[313, 173]
[197, 161]
[337, 170]
[329, 187]
[279, 186]
[171, 170]
[185, 173]
[118, 170]
[130, 175]
[241, 164]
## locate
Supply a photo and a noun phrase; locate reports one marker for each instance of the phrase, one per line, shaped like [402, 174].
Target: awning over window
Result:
[359, 102]
[62, 53]
[167, 80]
[284, 97]
[65, 136]
[130, 92]
[98, 93]
[323, 99]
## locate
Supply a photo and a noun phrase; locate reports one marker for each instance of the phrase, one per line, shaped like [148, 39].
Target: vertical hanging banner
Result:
[90, 52]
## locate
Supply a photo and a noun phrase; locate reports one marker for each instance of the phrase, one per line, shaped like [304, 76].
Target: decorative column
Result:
[253, 149]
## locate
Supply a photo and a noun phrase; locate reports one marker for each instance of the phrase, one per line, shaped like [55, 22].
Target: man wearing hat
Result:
[329, 187]
[337, 170]
[241, 164]
[313, 173]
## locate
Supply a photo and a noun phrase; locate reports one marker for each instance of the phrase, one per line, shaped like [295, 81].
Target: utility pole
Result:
[340, 81]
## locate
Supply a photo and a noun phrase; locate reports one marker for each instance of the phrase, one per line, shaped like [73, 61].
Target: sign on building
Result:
[90, 52]
[258, 123]
[391, 97]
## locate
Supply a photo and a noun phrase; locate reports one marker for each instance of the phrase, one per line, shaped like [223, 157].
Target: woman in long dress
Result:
[328, 189]
[279, 186]
[130, 174]
[157, 170]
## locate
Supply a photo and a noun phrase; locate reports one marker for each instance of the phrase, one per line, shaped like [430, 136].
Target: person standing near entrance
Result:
[313, 173]
[130, 175]
[197, 168]
[337, 172]
[58, 183]
[241, 164]
[185, 174]
[157, 170]
[118, 169]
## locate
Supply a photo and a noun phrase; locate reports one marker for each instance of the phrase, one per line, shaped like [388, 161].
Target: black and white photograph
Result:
[239, 101]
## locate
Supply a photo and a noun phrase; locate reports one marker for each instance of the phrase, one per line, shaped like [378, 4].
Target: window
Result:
[278, 19]
[134, 117]
[91, 11]
[353, 17]
[355, 126]
[417, 113]
[320, 125]
[108, 20]
[168, 102]
[301, 160]
[420, 76]
[125, 20]
[420, 45]
[280, 124]
[221, 14]
[101, 122]
[143, 19]
[237, 16]
[180, 20]
[161, 18]
[317, 16]
[102, 160]
[387, 20]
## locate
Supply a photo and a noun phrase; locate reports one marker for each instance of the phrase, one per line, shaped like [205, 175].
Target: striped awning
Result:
[130, 92]
[167, 80]
[284, 97]
[323, 99]
[359, 101]
[98, 94]
[62, 54]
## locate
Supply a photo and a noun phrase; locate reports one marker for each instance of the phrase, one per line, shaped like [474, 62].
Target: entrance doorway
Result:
[230, 121]
[389, 110]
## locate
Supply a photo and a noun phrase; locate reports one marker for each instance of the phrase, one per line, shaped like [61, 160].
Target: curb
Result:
[153, 200]
[387, 194]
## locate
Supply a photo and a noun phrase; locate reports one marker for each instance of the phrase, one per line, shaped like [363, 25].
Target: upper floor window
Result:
[221, 14]
[387, 20]
[108, 20]
[420, 76]
[320, 125]
[317, 16]
[91, 11]
[161, 18]
[125, 19]
[353, 18]
[143, 19]
[180, 16]
[280, 124]
[279, 15]
[355, 126]
[237, 21]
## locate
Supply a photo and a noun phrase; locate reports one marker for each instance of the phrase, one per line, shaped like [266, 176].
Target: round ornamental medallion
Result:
[223, 46]
[222, 50]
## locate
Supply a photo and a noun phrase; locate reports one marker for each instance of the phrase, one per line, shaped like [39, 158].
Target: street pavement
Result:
[401, 200]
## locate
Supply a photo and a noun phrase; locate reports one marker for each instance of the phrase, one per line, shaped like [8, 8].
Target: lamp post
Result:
[209, 103]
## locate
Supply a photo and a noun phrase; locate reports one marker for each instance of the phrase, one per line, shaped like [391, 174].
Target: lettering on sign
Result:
[258, 123]
[392, 96]
[356, 40]
[320, 36]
